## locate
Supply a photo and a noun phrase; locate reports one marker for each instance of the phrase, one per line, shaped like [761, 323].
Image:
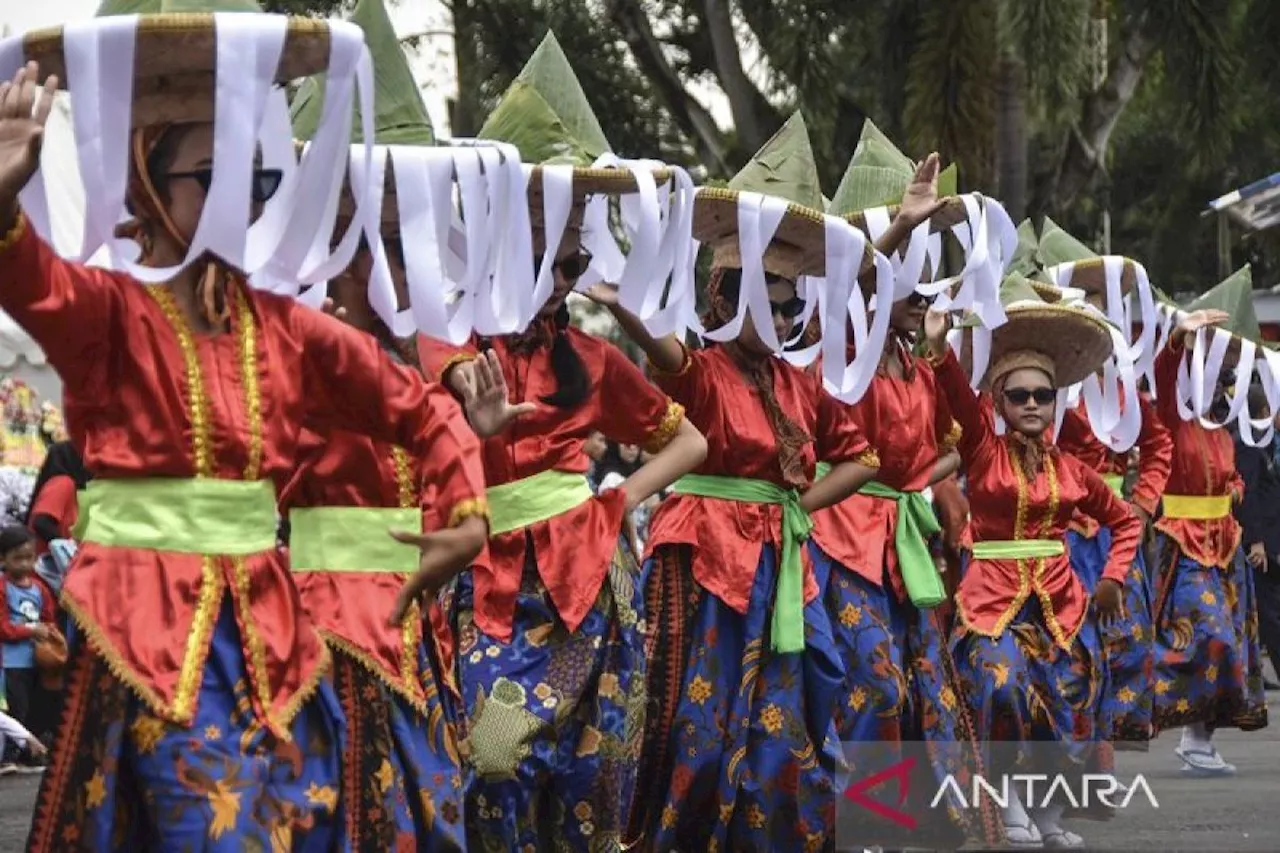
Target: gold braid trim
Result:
[469, 508]
[405, 492]
[14, 234]
[666, 428]
[686, 359]
[951, 439]
[405, 687]
[305, 691]
[200, 638]
[115, 662]
[247, 341]
[1024, 576]
[1061, 637]
[453, 361]
[197, 400]
[869, 457]
[256, 657]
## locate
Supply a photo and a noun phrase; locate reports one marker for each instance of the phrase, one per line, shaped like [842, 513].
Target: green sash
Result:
[1018, 549]
[788, 604]
[916, 523]
[352, 539]
[1116, 482]
[185, 516]
[519, 504]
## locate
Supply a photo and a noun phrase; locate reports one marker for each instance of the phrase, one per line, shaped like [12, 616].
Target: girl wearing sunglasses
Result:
[549, 620]
[187, 399]
[386, 632]
[1208, 671]
[740, 748]
[1027, 646]
[876, 554]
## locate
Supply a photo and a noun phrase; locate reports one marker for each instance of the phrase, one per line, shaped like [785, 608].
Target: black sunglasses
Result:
[264, 185]
[572, 268]
[1021, 396]
[919, 300]
[790, 309]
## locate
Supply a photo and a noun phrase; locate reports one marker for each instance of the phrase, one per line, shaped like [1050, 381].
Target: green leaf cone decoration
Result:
[1058, 247]
[784, 167]
[546, 115]
[1234, 294]
[173, 7]
[1024, 257]
[879, 174]
[400, 116]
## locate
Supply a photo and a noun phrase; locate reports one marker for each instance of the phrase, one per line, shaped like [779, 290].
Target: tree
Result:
[308, 8]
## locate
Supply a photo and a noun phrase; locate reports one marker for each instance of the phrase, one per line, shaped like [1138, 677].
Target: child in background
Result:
[14, 733]
[29, 617]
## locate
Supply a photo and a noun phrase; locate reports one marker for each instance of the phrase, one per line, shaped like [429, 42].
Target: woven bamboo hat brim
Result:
[715, 222]
[1050, 293]
[175, 62]
[1090, 275]
[1076, 341]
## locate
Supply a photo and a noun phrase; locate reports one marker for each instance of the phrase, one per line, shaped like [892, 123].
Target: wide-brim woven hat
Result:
[1075, 340]
[175, 56]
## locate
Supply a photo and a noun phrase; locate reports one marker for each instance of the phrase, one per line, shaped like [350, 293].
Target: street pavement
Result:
[1233, 815]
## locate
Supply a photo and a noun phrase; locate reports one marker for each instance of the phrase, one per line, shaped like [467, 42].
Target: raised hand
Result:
[333, 309]
[1197, 320]
[22, 129]
[936, 326]
[603, 294]
[921, 198]
[484, 397]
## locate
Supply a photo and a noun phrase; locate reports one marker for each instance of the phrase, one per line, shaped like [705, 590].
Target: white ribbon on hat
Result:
[843, 303]
[100, 56]
[758, 219]
[1259, 432]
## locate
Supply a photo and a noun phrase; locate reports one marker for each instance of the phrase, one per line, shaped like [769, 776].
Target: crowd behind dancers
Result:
[531, 598]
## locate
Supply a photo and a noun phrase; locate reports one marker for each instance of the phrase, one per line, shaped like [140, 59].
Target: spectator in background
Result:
[595, 447]
[1259, 516]
[618, 463]
[54, 506]
[29, 618]
[15, 735]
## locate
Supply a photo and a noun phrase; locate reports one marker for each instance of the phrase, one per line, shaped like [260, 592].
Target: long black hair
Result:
[63, 460]
[573, 383]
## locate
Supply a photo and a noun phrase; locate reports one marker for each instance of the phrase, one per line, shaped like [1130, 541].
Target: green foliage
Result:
[308, 8]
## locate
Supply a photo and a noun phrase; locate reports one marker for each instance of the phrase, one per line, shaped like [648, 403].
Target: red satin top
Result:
[145, 396]
[1006, 505]
[1204, 463]
[1155, 451]
[56, 499]
[574, 549]
[727, 538]
[351, 608]
[910, 427]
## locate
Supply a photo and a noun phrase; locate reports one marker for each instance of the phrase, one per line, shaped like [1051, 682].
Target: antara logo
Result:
[1039, 790]
[901, 772]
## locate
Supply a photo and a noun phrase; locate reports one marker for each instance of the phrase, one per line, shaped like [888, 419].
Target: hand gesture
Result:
[603, 294]
[333, 309]
[936, 326]
[21, 131]
[40, 632]
[484, 396]
[921, 198]
[1197, 320]
[442, 555]
[1108, 600]
[1257, 556]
